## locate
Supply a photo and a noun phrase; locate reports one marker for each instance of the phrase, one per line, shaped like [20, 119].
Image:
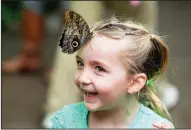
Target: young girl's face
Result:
[101, 76]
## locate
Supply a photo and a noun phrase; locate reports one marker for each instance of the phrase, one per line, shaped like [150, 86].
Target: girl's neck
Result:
[119, 117]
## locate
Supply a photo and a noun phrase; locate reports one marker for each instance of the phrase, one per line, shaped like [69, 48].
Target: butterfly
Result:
[76, 32]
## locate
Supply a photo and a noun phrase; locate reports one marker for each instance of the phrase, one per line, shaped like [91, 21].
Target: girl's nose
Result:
[84, 78]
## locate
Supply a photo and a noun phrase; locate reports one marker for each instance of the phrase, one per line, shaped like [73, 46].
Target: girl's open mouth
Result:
[90, 94]
[90, 97]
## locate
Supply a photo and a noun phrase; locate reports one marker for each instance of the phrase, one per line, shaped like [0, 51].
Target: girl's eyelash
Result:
[79, 63]
[100, 69]
[97, 68]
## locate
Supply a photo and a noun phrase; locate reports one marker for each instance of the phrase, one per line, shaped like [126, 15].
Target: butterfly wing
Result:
[76, 32]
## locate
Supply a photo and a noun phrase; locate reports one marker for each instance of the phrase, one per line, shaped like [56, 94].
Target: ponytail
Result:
[149, 98]
[155, 65]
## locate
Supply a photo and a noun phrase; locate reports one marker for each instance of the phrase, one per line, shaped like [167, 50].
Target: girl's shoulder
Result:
[70, 116]
[146, 117]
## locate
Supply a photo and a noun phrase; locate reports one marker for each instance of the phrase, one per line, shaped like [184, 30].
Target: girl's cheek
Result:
[76, 77]
[102, 86]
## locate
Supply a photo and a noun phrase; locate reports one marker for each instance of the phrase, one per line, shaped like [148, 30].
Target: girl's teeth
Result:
[90, 94]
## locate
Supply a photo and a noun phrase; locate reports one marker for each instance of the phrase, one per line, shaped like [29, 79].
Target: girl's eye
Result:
[99, 69]
[79, 63]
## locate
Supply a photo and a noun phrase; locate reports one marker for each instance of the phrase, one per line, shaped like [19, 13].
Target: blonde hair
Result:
[147, 53]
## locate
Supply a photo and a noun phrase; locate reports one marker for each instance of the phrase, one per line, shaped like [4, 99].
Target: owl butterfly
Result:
[76, 32]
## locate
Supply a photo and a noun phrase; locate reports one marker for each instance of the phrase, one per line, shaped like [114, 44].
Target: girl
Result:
[114, 74]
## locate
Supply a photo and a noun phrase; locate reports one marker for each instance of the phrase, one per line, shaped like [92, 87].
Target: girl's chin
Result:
[92, 106]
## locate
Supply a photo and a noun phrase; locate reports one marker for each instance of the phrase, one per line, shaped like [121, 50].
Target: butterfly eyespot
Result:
[80, 31]
[74, 44]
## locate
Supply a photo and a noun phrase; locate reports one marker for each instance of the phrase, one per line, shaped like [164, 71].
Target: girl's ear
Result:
[137, 82]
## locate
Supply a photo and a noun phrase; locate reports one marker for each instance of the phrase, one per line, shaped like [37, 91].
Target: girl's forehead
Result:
[102, 48]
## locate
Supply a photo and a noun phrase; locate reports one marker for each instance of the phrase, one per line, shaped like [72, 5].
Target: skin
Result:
[161, 126]
[101, 70]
